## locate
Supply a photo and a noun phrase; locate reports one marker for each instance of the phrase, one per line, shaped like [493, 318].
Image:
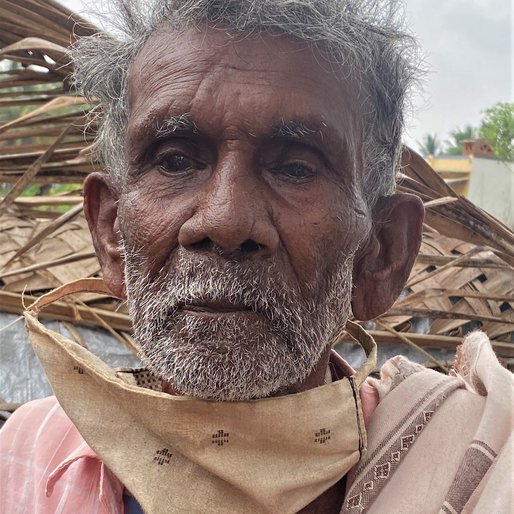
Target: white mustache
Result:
[258, 287]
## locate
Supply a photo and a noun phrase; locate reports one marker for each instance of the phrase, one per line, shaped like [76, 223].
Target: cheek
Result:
[150, 223]
[320, 236]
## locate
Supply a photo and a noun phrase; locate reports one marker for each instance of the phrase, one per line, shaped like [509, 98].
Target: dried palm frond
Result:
[39, 117]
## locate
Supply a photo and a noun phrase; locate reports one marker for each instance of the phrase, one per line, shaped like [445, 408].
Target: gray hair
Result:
[368, 36]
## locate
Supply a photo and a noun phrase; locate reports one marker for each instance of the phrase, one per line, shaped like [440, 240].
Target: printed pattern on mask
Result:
[162, 456]
[220, 438]
[322, 436]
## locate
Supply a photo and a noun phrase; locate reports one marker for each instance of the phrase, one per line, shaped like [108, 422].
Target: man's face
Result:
[242, 210]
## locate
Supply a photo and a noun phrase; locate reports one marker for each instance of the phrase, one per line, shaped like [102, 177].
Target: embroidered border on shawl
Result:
[477, 460]
[393, 448]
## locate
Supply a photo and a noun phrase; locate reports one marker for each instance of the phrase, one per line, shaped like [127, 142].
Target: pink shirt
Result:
[47, 468]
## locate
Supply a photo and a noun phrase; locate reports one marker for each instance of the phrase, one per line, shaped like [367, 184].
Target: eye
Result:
[176, 163]
[296, 171]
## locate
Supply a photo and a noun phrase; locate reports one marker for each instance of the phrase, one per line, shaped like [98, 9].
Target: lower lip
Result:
[204, 311]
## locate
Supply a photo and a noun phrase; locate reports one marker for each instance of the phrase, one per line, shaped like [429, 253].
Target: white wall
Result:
[491, 187]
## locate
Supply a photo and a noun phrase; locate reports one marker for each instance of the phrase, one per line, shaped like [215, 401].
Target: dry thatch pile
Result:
[464, 274]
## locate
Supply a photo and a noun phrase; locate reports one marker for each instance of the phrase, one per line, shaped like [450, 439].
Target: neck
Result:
[330, 502]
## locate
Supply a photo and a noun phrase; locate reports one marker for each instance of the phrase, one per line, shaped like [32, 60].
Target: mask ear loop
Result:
[360, 336]
[82, 285]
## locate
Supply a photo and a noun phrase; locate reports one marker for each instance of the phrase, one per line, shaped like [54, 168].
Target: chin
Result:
[229, 358]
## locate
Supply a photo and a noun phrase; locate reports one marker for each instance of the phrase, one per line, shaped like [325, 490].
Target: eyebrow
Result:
[299, 130]
[175, 124]
[292, 129]
[310, 131]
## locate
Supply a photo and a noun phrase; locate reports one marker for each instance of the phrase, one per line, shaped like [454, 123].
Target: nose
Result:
[231, 217]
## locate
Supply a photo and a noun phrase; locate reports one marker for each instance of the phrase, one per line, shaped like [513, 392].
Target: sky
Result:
[469, 51]
[469, 54]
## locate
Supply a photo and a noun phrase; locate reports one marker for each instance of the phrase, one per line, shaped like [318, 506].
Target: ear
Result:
[100, 208]
[383, 266]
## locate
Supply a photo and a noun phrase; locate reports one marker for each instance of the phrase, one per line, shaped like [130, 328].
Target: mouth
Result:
[215, 308]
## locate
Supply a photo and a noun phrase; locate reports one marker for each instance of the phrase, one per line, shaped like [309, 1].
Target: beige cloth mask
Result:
[179, 454]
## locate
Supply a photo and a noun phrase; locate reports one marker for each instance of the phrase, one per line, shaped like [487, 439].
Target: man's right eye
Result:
[176, 163]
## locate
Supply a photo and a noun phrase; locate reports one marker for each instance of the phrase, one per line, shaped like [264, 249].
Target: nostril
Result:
[204, 244]
[250, 246]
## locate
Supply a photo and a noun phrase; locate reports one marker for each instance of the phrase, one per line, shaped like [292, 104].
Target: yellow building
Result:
[486, 180]
[456, 169]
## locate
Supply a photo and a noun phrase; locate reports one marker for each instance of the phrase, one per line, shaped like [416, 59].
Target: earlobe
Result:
[100, 208]
[383, 266]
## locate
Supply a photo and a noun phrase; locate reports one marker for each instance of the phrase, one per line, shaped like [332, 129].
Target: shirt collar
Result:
[110, 489]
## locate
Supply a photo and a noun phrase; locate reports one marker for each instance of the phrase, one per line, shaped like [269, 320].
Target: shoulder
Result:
[476, 369]
[36, 443]
[34, 410]
[37, 436]
[477, 392]
[477, 365]
[438, 442]
[37, 426]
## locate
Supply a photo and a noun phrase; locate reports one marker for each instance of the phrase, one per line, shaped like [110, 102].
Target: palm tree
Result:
[457, 137]
[430, 145]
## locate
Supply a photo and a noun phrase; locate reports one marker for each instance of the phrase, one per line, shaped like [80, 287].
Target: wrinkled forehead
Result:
[256, 51]
[266, 77]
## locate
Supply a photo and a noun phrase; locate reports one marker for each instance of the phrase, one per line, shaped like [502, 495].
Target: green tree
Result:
[457, 136]
[497, 128]
[430, 145]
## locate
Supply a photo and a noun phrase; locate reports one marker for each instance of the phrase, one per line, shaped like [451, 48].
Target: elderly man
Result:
[248, 210]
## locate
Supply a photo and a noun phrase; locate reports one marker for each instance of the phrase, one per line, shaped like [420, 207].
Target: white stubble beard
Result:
[233, 357]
